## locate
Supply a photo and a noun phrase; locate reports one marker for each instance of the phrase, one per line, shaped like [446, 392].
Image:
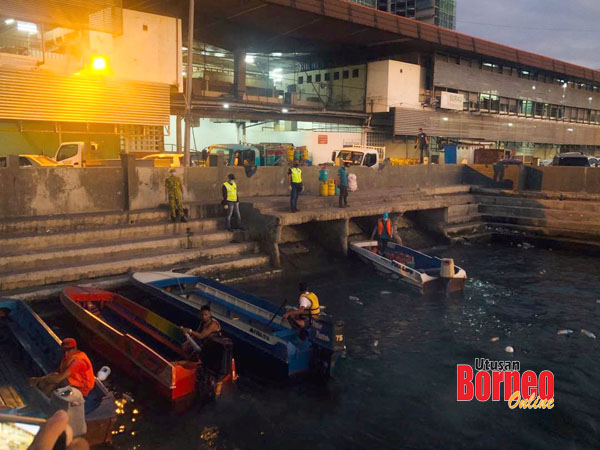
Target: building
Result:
[86, 71]
[434, 12]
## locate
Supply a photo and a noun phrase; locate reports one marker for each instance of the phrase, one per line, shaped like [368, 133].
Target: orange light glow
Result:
[99, 63]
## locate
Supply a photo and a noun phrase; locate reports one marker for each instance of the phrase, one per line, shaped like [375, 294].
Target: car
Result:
[594, 162]
[33, 161]
[572, 159]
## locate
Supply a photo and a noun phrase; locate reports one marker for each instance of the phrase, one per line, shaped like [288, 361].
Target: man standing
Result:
[231, 201]
[343, 185]
[308, 308]
[74, 370]
[295, 181]
[174, 195]
[423, 142]
[383, 230]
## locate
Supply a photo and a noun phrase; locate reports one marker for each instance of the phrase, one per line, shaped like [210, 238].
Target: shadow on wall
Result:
[492, 175]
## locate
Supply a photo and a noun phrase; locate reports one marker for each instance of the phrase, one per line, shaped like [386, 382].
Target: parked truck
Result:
[82, 154]
[359, 156]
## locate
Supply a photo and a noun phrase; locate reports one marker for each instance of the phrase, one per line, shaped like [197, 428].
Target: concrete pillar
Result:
[239, 73]
[241, 132]
[129, 179]
[333, 235]
[394, 217]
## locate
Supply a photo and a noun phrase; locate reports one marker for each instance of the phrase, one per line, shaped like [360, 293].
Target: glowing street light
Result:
[99, 63]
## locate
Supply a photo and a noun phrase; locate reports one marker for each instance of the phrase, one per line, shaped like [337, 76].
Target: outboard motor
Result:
[327, 340]
[71, 400]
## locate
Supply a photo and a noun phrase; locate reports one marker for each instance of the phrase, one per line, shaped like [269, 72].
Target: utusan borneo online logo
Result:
[503, 381]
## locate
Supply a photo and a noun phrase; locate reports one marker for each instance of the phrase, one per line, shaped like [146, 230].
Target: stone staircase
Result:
[53, 250]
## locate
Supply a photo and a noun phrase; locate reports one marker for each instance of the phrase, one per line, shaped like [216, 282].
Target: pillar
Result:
[239, 73]
[129, 178]
[178, 134]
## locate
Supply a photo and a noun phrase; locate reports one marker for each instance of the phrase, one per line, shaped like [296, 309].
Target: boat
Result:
[30, 348]
[142, 343]
[427, 274]
[254, 324]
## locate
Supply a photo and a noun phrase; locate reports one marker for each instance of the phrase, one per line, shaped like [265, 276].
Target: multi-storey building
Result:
[435, 12]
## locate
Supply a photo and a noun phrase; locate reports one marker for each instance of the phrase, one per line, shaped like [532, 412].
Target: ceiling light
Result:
[565, 85]
[9, 21]
[445, 119]
[510, 124]
[284, 110]
[276, 54]
[98, 63]
[184, 49]
[590, 99]
[219, 55]
[533, 87]
[250, 59]
[570, 130]
[27, 27]
[226, 105]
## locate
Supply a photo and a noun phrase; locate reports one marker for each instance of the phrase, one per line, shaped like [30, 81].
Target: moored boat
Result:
[141, 342]
[30, 348]
[255, 324]
[427, 274]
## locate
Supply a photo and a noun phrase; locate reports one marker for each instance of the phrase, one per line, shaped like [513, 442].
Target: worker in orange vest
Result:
[383, 230]
[74, 370]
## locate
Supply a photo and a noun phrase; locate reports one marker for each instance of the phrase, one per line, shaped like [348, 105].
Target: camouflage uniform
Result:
[173, 185]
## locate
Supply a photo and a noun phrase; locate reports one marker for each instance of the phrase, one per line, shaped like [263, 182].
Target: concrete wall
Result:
[48, 191]
[564, 179]
[391, 84]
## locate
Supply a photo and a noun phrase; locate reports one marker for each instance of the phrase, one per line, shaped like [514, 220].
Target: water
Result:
[396, 389]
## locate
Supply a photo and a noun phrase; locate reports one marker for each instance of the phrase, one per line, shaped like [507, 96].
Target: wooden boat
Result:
[416, 269]
[142, 343]
[30, 348]
[254, 324]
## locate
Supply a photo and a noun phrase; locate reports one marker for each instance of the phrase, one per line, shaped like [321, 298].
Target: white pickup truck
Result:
[360, 156]
[78, 154]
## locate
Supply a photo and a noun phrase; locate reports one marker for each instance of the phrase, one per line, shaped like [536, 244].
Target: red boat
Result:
[142, 343]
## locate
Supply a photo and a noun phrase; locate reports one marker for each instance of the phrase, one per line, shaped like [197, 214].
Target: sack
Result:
[352, 183]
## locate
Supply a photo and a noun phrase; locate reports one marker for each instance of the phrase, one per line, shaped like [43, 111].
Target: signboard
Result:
[452, 101]
[322, 139]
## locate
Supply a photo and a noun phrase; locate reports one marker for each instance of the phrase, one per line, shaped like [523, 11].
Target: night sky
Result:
[568, 30]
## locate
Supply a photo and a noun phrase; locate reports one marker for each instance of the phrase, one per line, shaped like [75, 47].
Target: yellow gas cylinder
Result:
[331, 188]
[305, 154]
[290, 154]
[324, 189]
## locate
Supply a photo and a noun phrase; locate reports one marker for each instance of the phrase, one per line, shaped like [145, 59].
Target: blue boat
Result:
[30, 348]
[254, 324]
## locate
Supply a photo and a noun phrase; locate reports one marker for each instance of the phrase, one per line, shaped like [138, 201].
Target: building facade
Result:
[435, 12]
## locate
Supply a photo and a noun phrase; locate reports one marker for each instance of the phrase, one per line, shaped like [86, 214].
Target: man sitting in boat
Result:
[75, 370]
[308, 309]
[209, 327]
[383, 230]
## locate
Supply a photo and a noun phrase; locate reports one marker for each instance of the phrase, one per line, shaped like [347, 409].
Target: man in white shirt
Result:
[308, 308]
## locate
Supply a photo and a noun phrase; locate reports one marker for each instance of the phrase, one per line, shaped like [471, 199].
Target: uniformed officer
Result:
[174, 195]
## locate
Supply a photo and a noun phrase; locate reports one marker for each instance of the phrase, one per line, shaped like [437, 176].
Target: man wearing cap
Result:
[231, 201]
[383, 230]
[174, 195]
[74, 370]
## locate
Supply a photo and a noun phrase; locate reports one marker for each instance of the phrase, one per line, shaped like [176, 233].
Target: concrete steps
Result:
[216, 257]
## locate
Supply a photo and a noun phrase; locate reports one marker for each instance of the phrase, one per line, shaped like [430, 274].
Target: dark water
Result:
[396, 388]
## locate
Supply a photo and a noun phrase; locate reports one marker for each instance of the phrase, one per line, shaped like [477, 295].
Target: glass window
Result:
[538, 109]
[327, 76]
[503, 105]
[512, 106]
[494, 103]
[3, 161]
[336, 75]
[484, 102]
[24, 162]
[355, 73]
[67, 151]
[318, 78]
[300, 80]
[346, 74]
[370, 159]
[473, 101]
[309, 78]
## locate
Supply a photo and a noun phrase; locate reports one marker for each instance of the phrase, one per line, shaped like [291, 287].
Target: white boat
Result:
[425, 273]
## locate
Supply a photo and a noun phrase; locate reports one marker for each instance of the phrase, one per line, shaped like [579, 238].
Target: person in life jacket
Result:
[308, 309]
[231, 201]
[74, 370]
[296, 186]
[209, 327]
[383, 231]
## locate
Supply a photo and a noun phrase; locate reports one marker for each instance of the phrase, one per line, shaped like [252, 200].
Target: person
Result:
[422, 142]
[295, 181]
[231, 201]
[343, 185]
[383, 230]
[54, 429]
[209, 327]
[174, 195]
[74, 370]
[308, 309]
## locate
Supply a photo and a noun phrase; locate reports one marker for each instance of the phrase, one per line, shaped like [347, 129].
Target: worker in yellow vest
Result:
[308, 309]
[296, 186]
[231, 201]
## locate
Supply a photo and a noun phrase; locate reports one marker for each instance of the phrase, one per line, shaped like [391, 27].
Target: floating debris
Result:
[495, 339]
[509, 349]
[527, 245]
[353, 298]
[542, 272]
[376, 343]
[389, 292]
[588, 333]
[564, 332]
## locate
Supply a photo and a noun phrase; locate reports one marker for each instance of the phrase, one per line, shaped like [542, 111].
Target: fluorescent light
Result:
[565, 85]
[184, 48]
[226, 105]
[9, 21]
[250, 59]
[533, 87]
[284, 110]
[276, 54]
[445, 119]
[279, 69]
[570, 130]
[590, 99]
[510, 124]
[27, 27]
[219, 55]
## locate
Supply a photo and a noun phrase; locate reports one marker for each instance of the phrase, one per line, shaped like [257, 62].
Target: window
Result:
[3, 161]
[512, 106]
[318, 78]
[327, 76]
[336, 75]
[525, 107]
[503, 105]
[355, 73]
[24, 162]
[346, 74]
[538, 110]
[473, 101]
[309, 78]
[300, 80]
[66, 151]
[370, 159]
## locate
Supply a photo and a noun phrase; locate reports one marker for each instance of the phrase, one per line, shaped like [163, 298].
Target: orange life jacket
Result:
[388, 227]
[82, 380]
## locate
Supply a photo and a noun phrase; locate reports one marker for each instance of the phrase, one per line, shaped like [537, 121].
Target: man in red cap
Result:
[75, 370]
